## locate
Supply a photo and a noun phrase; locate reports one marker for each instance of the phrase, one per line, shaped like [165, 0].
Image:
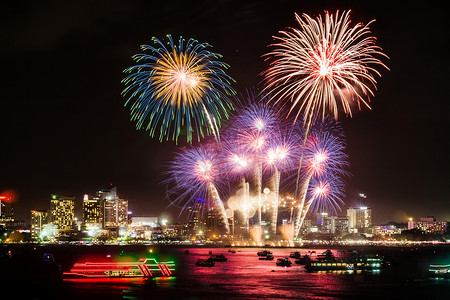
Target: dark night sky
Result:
[63, 127]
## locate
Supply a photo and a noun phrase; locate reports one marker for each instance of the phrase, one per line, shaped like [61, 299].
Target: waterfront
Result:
[242, 276]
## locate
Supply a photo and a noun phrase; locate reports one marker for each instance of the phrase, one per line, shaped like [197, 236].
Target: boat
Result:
[328, 266]
[368, 262]
[232, 251]
[295, 254]
[208, 262]
[144, 267]
[267, 257]
[440, 271]
[283, 262]
[219, 258]
[264, 253]
[303, 260]
[327, 262]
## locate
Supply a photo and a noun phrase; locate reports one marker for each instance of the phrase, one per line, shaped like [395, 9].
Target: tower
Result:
[39, 218]
[92, 211]
[115, 210]
[62, 212]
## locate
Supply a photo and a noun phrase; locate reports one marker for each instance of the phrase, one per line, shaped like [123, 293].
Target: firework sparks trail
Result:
[179, 87]
[301, 206]
[276, 187]
[216, 198]
[246, 204]
[258, 175]
[302, 214]
[212, 124]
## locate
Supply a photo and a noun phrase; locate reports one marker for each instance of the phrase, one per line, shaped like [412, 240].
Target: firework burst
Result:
[178, 87]
[194, 174]
[229, 169]
[324, 64]
[325, 153]
[326, 193]
[236, 160]
[252, 130]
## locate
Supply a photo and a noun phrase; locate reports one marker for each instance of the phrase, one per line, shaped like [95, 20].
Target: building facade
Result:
[39, 218]
[62, 212]
[335, 225]
[115, 210]
[195, 223]
[115, 213]
[386, 230]
[359, 220]
[92, 211]
[428, 225]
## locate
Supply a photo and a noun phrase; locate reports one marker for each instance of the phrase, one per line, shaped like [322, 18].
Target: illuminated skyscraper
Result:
[62, 212]
[359, 219]
[92, 211]
[214, 223]
[39, 218]
[115, 213]
[195, 222]
[115, 210]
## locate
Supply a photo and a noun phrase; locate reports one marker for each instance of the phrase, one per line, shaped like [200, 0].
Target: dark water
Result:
[242, 276]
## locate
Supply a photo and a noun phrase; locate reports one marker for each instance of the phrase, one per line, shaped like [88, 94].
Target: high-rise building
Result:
[321, 221]
[359, 219]
[306, 227]
[195, 223]
[214, 222]
[115, 210]
[62, 212]
[335, 225]
[39, 218]
[92, 211]
[115, 213]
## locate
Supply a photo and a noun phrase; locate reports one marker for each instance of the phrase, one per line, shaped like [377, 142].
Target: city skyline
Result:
[66, 131]
[285, 202]
[105, 216]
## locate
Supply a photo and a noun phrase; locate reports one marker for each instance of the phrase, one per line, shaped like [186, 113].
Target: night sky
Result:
[64, 128]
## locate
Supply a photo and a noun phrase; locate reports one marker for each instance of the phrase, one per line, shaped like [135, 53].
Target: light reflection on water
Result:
[245, 276]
